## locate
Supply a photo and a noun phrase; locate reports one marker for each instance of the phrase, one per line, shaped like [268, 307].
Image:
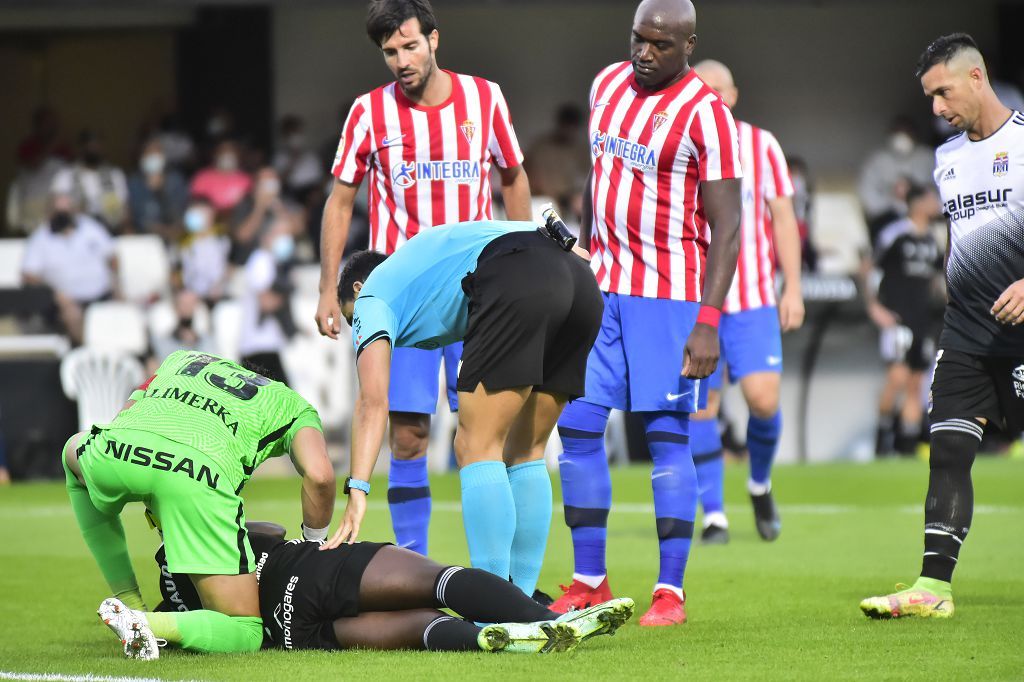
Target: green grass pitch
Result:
[757, 611]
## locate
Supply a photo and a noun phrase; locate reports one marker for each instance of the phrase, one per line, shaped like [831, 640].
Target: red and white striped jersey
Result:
[765, 177]
[427, 165]
[651, 151]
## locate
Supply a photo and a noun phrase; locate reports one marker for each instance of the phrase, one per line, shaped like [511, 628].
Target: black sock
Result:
[885, 434]
[485, 598]
[450, 634]
[950, 503]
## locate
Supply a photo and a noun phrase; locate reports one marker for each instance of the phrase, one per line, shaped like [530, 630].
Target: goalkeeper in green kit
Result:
[185, 444]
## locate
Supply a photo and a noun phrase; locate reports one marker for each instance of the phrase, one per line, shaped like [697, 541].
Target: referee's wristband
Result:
[709, 315]
[355, 484]
[314, 534]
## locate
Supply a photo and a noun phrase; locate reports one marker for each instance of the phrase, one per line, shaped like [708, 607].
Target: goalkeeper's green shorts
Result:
[200, 515]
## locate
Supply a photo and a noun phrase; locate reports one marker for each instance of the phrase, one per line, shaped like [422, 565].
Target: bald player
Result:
[665, 177]
[979, 376]
[752, 323]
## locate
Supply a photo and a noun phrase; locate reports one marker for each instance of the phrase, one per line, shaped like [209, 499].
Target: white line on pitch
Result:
[53, 677]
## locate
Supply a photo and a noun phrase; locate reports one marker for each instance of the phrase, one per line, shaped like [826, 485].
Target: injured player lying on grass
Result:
[376, 596]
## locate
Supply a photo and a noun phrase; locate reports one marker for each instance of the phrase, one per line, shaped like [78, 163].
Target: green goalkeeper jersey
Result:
[236, 417]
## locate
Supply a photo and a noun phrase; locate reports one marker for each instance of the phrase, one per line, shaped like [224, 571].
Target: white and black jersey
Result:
[982, 188]
[910, 263]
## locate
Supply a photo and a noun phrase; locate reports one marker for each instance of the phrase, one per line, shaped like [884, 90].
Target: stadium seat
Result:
[306, 279]
[11, 253]
[227, 327]
[101, 382]
[143, 267]
[115, 326]
[162, 319]
[839, 233]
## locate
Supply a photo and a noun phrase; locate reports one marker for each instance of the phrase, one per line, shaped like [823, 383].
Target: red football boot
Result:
[666, 609]
[580, 595]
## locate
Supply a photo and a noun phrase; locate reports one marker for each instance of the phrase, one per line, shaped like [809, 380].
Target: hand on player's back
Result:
[328, 315]
[700, 357]
[1009, 307]
[348, 531]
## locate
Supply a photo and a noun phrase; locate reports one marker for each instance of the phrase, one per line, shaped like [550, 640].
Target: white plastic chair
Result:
[12, 252]
[839, 232]
[162, 319]
[115, 326]
[143, 267]
[227, 327]
[101, 382]
[306, 279]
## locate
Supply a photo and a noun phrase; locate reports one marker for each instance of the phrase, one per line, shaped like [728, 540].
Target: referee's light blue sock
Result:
[489, 515]
[674, 481]
[763, 443]
[409, 501]
[531, 490]
[586, 484]
[706, 445]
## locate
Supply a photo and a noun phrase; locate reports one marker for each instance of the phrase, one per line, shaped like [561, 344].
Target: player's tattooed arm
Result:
[333, 235]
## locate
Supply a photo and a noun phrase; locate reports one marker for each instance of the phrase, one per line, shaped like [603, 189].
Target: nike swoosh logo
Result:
[774, 360]
[600, 104]
[663, 473]
[675, 396]
[388, 141]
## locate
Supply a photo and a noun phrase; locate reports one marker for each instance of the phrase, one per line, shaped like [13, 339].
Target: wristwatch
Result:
[356, 484]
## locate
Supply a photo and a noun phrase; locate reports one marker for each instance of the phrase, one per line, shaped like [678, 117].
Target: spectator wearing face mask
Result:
[40, 157]
[99, 186]
[183, 336]
[74, 255]
[157, 194]
[223, 183]
[204, 253]
[267, 323]
[890, 171]
[265, 207]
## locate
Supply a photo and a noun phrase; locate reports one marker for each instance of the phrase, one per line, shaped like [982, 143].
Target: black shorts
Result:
[968, 386]
[914, 347]
[534, 313]
[303, 591]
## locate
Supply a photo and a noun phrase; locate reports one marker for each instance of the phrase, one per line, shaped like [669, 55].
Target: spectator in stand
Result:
[296, 164]
[73, 254]
[223, 183]
[184, 335]
[265, 207]
[558, 162]
[100, 187]
[907, 310]
[267, 323]
[157, 194]
[889, 172]
[177, 145]
[204, 253]
[28, 197]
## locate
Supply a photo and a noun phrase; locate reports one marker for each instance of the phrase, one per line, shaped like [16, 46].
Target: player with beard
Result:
[426, 144]
[979, 375]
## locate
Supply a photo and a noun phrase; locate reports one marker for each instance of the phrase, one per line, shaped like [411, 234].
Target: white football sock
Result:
[591, 581]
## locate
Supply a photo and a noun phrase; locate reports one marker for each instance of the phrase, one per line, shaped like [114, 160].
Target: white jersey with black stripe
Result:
[981, 183]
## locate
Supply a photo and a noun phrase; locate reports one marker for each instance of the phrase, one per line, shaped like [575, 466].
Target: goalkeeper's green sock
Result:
[104, 536]
[940, 588]
[207, 631]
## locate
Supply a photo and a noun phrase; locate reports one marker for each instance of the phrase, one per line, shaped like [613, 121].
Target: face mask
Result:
[91, 159]
[195, 220]
[282, 247]
[152, 164]
[227, 162]
[901, 143]
[270, 186]
[62, 221]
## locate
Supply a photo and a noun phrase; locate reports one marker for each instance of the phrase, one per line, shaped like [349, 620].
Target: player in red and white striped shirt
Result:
[665, 176]
[752, 323]
[426, 143]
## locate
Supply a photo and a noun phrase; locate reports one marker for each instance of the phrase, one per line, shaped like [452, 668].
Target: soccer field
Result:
[768, 611]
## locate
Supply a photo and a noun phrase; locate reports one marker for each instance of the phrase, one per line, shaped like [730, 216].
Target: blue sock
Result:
[706, 445]
[762, 443]
[674, 480]
[531, 490]
[409, 501]
[489, 515]
[586, 483]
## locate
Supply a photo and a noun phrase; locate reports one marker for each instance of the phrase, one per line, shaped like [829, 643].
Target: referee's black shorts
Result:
[968, 386]
[534, 314]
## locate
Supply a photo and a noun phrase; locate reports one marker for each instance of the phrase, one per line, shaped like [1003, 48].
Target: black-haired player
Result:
[378, 596]
[979, 377]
